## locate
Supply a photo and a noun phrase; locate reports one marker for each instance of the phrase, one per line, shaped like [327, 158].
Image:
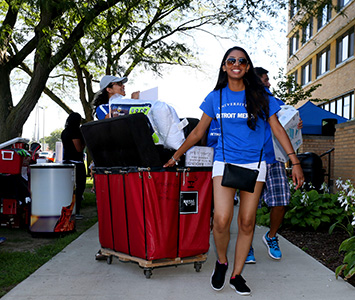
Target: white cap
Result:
[107, 79]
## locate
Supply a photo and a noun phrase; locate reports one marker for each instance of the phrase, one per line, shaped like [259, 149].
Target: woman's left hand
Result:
[297, 176]
[135, 95]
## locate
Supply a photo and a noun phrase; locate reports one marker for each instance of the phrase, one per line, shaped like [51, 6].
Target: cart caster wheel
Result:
[109, 259]
[197, 266]
[147, 273]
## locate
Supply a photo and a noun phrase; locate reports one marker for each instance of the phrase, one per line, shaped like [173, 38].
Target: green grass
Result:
[15, 266]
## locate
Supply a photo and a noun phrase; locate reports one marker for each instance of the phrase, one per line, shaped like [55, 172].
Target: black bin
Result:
[121, 141]
[328, 126]
[313, 170]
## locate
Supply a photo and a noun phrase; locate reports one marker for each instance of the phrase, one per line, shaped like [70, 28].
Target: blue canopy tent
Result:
[313, 116]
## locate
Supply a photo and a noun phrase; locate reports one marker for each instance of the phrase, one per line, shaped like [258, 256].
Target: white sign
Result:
[199, 156]
[151, 94]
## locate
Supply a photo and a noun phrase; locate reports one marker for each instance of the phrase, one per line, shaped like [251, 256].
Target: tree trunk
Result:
[14, 118]
[5, 104]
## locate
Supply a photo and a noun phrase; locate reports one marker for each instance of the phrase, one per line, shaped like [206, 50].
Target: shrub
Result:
[308, 210]
[313, 209]
[346, 198]
[348, 266]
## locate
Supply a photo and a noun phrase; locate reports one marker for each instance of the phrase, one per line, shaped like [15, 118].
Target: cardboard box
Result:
[199, 156]
[289, 119]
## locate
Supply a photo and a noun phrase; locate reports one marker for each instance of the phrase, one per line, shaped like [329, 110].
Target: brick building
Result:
[344, 154]
[321, 51]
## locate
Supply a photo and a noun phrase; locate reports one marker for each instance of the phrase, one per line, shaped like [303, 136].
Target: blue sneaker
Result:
[2, 240]
[250, 258]
[272, 245]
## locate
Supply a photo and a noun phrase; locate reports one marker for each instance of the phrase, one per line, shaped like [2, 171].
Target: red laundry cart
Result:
[154, 216]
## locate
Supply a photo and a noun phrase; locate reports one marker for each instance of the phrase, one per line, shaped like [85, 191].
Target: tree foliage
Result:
[61, 43]
[149, 34]
[290, 92]
[54, 137]
[29, 32]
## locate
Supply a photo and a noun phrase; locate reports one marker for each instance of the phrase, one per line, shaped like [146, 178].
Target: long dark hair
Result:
[100, 97]
[257, 102]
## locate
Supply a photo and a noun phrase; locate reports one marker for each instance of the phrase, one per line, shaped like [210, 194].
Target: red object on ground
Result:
[9, 206]
[154, 214]
[10, 162]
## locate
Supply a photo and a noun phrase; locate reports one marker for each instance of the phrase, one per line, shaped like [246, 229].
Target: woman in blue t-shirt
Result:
[246, 107]
[109, 85]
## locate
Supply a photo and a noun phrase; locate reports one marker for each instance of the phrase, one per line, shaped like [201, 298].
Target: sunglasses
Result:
[239, 62]
[115, 83]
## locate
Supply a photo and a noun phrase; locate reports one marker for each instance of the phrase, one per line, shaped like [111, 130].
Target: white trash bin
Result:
[53, 198]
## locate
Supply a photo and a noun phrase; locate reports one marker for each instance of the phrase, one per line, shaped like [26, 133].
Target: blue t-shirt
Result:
[241, 144]
[213, 134]
[269, 146]
[102, 110]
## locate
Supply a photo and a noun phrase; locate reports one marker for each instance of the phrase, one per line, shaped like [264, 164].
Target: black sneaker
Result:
[238, 284]
[218, 276]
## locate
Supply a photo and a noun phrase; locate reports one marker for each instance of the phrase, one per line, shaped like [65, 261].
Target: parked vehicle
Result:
[48, 156]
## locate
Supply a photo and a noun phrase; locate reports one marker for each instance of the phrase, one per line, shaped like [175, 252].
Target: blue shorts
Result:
[276, 191]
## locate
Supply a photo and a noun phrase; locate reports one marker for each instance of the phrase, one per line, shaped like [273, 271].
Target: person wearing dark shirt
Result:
[73, 145]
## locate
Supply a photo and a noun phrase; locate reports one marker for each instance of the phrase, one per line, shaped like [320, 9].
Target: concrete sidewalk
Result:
[75, 274]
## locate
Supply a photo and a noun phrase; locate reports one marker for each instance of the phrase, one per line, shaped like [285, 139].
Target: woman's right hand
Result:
[171, 162]
[194, 136]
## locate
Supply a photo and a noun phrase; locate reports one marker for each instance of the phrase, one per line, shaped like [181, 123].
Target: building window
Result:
[345, 46]
[323, 61]
[293, 44]
[293, 8]
[339, 107]
[348, 106]
[307, 31]
[343, 106]
[324, 16]
[307, 73]
[295, 77]
[332, 107]
[342, 3]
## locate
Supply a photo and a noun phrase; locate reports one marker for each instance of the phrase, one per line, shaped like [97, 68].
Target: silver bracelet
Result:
[175, 160]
